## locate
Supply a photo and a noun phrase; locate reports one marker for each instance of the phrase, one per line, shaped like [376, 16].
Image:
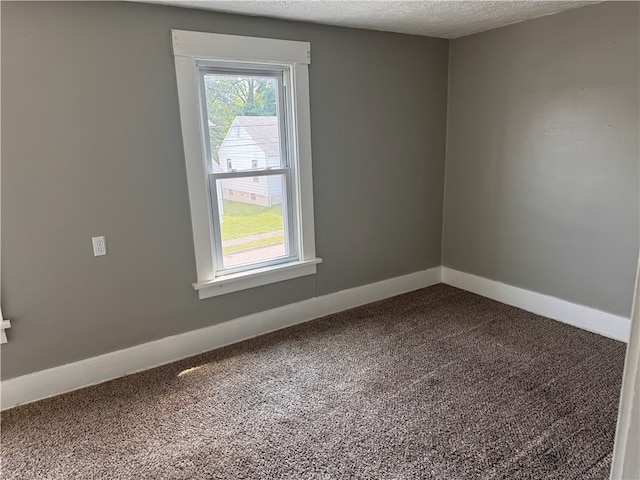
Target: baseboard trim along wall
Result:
[587, 318]
[72, 376]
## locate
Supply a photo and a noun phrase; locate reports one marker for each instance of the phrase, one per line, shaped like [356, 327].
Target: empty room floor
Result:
[437, 383]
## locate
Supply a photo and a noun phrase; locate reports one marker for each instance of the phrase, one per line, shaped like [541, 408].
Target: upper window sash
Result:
[285, 115]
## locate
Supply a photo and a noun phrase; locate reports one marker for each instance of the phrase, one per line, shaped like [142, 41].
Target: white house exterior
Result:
[250, 143]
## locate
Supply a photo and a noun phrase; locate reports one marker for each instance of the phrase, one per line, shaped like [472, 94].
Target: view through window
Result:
[248, 168]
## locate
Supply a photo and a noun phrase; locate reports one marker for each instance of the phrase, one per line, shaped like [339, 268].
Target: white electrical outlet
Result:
[99, 246]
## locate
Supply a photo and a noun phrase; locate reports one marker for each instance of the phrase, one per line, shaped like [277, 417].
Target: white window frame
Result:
[189, 50]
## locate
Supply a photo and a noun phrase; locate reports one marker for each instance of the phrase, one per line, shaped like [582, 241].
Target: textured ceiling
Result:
[443, 18]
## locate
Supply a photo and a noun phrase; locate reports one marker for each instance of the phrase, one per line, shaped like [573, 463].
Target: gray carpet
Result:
[437, 383]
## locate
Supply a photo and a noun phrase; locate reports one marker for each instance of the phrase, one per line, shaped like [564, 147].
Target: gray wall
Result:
[91, 145]
[542, 155]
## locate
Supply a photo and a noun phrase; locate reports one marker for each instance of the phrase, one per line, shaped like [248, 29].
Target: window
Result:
[228, 84]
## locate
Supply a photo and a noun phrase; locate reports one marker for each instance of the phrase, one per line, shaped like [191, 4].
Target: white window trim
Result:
[188, 49]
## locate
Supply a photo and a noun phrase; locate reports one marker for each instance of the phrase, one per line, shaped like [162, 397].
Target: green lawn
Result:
[242, 219]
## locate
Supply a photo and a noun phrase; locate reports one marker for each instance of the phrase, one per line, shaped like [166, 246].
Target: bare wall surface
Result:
[91, 145]
[542, 176]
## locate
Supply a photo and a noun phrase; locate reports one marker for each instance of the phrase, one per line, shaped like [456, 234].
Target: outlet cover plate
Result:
[99, 246]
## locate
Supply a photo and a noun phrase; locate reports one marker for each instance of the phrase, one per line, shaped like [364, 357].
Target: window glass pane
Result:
[252, 219]
[242, 117]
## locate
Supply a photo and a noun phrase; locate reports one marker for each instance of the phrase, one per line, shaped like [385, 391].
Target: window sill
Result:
[256, 278]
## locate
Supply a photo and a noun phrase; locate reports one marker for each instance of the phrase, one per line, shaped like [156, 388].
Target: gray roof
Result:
[263, 131]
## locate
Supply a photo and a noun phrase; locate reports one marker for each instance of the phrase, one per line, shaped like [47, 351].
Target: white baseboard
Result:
[596, 321]
[72, 376]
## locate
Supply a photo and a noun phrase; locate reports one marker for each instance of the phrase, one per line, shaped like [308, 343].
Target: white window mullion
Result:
[265, 172]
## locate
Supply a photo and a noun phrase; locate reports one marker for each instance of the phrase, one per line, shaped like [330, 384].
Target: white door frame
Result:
[626, 452]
